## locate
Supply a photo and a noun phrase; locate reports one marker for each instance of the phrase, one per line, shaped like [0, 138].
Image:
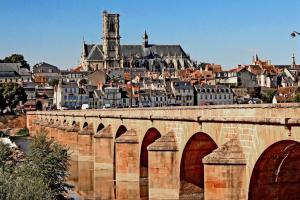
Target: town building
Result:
[213, 95]
[111, 54]
[183, 92]
[44, 73]
[70, 95]
[14, 73]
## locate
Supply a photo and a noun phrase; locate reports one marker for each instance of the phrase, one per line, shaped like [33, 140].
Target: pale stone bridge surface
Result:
[229, 152]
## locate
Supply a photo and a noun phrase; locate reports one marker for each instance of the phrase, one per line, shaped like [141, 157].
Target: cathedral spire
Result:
[293, 62]
[145, 40]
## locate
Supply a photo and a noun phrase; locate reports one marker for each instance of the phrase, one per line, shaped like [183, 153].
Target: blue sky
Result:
[227, 32]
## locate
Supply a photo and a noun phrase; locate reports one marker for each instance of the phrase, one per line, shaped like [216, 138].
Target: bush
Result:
[23, 132]
[42, 175]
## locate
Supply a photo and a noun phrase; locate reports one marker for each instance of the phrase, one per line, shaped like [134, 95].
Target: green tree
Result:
[53, 82]
[23, 186]
[2, 101]
[50, 161]
[297, 98]
[269, 96]
[13, 93]
[5, 154]
[17, 58]
[82, 82]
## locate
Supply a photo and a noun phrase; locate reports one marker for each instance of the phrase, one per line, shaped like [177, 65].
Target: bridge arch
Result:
[276, 174]
[100, 127]
[121, 130]
[85, 125]
[191, 167]
[151, 135]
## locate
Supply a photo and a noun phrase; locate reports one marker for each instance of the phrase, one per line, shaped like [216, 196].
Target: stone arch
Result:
[276, 174]
[100, 127]
[121, 130]
[85, 125]
[151, 135]
[191, 166]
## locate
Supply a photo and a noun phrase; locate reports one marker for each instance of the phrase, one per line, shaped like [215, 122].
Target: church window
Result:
[111, 26]
[111, 45]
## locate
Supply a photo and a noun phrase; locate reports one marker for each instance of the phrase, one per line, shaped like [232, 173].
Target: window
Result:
[66, 90]
[65, 97]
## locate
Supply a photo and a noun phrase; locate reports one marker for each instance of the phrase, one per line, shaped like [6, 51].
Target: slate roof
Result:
[182, 85]
[94, 51]
[4, 67]
[13, 69]
[45, 68]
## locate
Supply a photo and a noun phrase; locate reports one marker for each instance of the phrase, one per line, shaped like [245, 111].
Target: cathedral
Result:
[112, 55]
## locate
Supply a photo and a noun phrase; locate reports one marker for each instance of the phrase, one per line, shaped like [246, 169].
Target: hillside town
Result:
[111, 75]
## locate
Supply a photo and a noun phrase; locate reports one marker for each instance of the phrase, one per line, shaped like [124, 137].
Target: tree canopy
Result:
[41, 175]
[11, 95]
[16, 58]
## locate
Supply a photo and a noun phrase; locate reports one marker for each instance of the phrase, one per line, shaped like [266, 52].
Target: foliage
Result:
[269, 96]
[297, 98]
[53, 82]
[25, 187]
[82, 82]
[16, 58]
[4, 157]
[23, 132]
[12, 94]
[49, 161]
[2, 101]
[41, 176]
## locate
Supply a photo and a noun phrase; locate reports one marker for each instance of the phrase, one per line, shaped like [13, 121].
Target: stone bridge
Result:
[211, 152]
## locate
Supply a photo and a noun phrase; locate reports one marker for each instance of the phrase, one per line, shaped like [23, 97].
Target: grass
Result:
[23, 132]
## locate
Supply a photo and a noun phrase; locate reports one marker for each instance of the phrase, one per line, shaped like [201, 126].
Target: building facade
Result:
[111, 54]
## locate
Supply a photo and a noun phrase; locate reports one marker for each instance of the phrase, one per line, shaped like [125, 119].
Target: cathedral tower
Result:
[111, 40]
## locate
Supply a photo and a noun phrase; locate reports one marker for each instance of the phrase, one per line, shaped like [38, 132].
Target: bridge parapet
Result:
[118, 138]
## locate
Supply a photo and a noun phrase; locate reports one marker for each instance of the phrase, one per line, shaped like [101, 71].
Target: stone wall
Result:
[241, 133]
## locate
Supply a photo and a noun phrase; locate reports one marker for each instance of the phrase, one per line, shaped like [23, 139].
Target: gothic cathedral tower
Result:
[111, 40]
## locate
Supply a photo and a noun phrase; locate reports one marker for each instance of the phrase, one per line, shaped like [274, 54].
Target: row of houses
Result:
[171, 92]
[49, 87]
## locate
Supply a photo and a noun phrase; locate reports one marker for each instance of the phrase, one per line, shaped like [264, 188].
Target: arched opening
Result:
[191, 166]
[121, 130]
[39, 105]
[100, 127]
[85, 125]
[276, 174]
[151, 135]
[73, 123]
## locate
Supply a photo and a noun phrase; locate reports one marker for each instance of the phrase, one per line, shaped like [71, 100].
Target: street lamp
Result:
[294, 33]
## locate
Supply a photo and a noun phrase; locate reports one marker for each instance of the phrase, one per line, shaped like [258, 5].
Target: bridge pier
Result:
[104, 150]
[225, 173]
[127, 157]
[85, 145]
[71, 137]
[164, 180]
